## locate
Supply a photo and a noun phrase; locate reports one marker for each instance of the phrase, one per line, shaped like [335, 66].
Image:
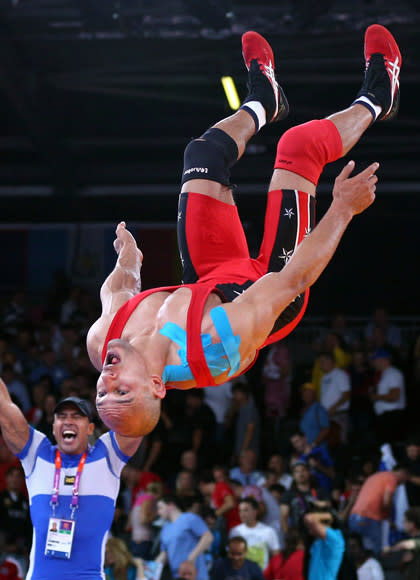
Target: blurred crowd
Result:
[292, 471]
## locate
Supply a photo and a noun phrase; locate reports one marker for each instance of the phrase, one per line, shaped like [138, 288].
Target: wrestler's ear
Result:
[158, 386]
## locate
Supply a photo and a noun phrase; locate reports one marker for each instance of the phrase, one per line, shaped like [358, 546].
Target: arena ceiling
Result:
[98, 98]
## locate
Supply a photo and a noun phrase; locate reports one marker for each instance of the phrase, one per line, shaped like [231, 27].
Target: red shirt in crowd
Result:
[290, 569]
[221, 490]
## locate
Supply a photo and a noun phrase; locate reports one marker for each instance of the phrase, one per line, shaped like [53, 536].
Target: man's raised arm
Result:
[123, 283]
[13, 425]
[270, 295]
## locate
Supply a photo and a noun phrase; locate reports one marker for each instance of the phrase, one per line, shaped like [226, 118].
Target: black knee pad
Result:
[210, 157]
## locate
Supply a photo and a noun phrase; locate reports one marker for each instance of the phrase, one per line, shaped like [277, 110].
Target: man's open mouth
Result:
[112, 358]
[69, 435]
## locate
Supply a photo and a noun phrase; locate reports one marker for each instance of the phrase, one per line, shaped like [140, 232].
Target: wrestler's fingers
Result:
[369, 171]
[346, 171]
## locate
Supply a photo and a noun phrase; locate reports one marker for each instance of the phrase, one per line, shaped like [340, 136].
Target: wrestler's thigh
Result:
[210, 234]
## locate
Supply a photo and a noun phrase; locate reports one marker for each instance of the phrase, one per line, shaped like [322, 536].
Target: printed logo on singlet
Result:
[69, 480]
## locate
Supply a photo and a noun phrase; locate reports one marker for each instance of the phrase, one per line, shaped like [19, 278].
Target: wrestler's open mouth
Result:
[112, 358]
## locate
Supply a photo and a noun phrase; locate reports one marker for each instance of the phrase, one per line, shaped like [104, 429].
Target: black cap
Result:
[84, 406]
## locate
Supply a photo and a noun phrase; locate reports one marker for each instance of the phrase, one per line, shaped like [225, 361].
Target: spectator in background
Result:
[130, 476]
[48, 365]
[315, 420]
[40, 460]
[368, 568]
[188, 462]
[7, 460]
[246, 472]
[247, 421]
[236, 565]
[72, 306]
[219, 400]
[23, 347]
[119, 562]
[340, 328]
[151, 454]
[276, 379]
[261, 539]
[14, 509]
[410, 561]
[220, 473]
[16, 388]
[381, 321]
[361, 408]
[185, 485]
[374, 504]
[268, 507]
[141, 516]
[411, 461]
[14, 314]
[335, 394]
[337, 348]
[45, 424]
[327, 548]
[10, 566]
[388, 398]
[288, 565]
[200, 423]
[221, 498]
[40, 390]
[276, 467]
[184, 536]
[317, 458]
[300, 498]
[208, 515]
[345, 499]
[187, 571]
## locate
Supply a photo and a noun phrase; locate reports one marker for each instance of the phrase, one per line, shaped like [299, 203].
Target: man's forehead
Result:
[69, 407]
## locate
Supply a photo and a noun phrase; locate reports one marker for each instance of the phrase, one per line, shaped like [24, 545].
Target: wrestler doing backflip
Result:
[210, 328]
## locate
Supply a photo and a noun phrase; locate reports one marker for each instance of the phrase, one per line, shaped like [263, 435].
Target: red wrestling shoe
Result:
[262, 83]
[383, 62]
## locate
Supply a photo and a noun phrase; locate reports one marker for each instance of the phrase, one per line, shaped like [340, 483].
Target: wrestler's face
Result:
[127, 399]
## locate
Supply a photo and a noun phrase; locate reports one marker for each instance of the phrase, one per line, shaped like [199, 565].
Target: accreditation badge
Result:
[59, 538]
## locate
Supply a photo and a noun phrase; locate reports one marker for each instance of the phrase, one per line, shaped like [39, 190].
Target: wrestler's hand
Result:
[125, 240]
[358, 192]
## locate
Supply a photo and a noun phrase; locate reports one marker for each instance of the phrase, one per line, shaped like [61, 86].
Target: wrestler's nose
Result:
[109, 378]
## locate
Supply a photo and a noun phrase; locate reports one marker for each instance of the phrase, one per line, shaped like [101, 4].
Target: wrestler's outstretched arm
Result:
[254, 312]
[123, 283]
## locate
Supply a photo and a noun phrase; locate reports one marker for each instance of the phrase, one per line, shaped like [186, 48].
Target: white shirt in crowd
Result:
[333, 385]
[262, 540]
[390, 379]
[371, 570]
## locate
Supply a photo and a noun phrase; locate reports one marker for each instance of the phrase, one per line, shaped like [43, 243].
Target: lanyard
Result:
[75, 494]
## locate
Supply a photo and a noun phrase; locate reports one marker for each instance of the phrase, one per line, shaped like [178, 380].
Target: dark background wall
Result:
[98, 100]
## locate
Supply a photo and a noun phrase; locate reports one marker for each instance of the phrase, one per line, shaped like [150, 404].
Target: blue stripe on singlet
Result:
[219, 357]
